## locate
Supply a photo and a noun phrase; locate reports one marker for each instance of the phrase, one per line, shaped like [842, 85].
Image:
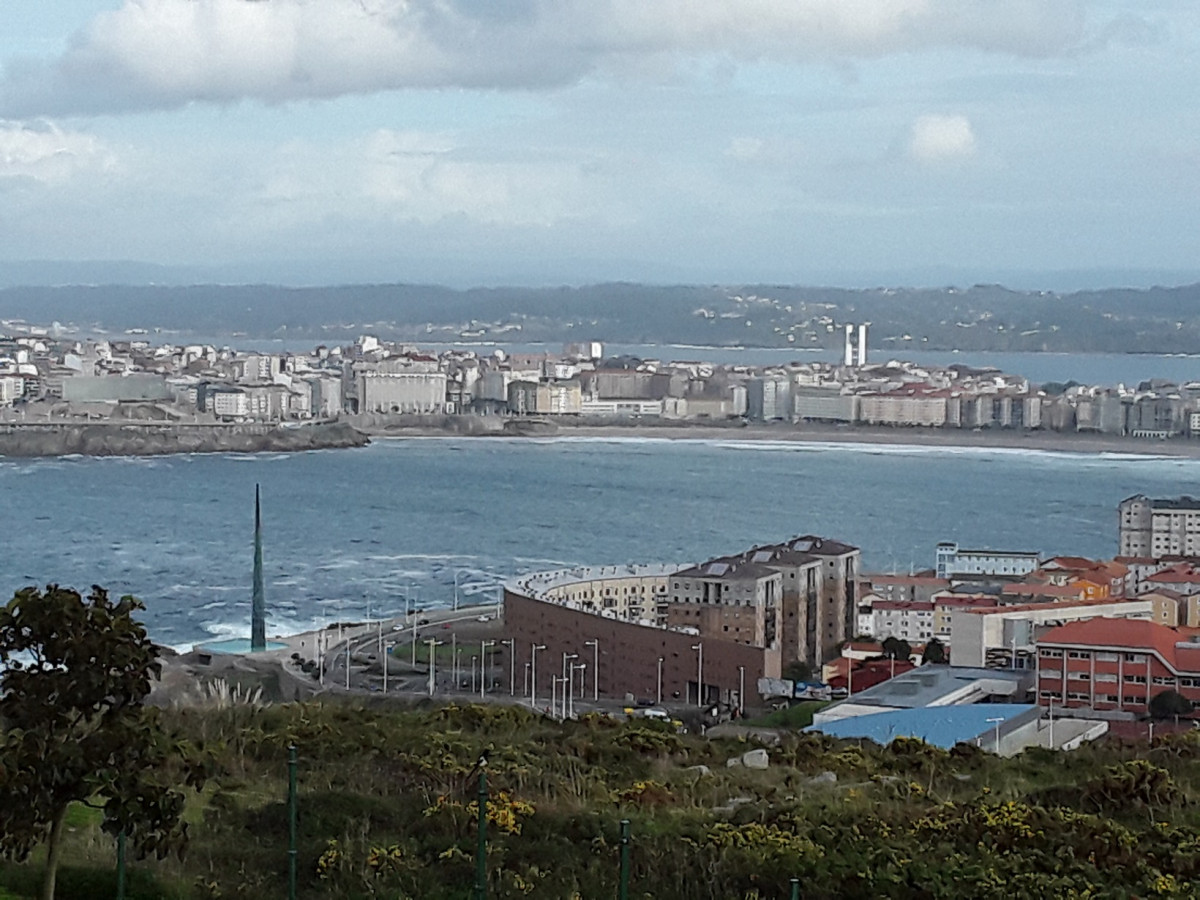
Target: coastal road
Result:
[363, 640]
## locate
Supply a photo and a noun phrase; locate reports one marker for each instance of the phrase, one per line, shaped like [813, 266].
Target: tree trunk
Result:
[52, 850]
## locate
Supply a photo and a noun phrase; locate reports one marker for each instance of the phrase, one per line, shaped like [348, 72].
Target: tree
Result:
[1168, 704]
[75, 728]
[895, 648]
[797, 670]
[935, 652]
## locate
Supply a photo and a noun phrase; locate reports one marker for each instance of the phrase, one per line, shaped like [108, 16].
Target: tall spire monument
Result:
[258, 602]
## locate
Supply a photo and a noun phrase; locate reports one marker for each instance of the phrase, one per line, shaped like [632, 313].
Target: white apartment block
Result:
[953, 561]
[909, 620]
[1157, 528]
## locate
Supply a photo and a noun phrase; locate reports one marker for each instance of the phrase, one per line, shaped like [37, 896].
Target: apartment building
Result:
[731, 598]
[907, 620]
[954, 562]
[1159, 527]
[1116, 665]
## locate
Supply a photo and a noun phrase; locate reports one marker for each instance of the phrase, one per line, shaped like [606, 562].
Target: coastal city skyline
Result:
[557, 449]
[824, 142]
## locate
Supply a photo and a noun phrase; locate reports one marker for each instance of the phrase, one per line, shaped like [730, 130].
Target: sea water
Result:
[356, 533]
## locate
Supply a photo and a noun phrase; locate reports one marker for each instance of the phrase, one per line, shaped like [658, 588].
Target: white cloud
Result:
[166, 53]
[937, 138]
[45, 153]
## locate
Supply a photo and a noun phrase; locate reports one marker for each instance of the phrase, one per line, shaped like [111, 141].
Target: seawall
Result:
[158, 438]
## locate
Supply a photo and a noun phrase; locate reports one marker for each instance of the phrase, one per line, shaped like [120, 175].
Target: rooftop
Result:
[942, 726]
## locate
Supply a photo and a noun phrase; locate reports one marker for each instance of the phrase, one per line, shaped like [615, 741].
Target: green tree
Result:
[896, 648]
[75, 728]
[1168, 704]
[797, 670]
[935, 652]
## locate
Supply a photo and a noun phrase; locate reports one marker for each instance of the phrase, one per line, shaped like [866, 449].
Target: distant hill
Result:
[982, 317]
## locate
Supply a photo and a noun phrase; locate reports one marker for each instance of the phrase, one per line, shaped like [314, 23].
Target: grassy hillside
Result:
[386, 810]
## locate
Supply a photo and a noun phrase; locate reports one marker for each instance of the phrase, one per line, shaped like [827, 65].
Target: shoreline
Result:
[945, 439]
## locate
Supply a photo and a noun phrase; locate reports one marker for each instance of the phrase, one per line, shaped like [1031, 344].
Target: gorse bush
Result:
[388, 808]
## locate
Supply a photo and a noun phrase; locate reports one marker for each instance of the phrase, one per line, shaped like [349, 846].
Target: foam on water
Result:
[348, 531]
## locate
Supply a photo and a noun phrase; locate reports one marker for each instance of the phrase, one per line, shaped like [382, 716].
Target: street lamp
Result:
[458, 572]
[741, 691]
[996, 721]
[699, 648]
[660, 662]
[525, 688]
[511, 644]
[473, 658]
[595, 645]
[582, 667]
[432, 642]
[483, 647]
[534, 648]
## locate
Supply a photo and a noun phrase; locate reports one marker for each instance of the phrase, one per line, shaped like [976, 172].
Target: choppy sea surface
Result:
[353, 532]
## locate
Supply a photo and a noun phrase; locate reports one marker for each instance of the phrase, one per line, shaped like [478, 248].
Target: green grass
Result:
[799, 715]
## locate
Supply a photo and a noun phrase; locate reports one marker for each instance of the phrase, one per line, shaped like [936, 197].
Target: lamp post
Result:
[595, 645]
[582, 667]
[534, 648]
[457, 572]
[741, 691]
[512, 665]
[525, 688]
[567, 657]
[699, 648]
[454, 658]
[432, 642]
[384, 658]
[473, 658]
[483, 647]
[660, 662]
[996, 721]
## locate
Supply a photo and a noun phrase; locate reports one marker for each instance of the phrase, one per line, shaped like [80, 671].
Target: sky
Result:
[1042, 143]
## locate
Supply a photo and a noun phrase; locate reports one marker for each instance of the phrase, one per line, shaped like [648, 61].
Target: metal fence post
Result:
[291, 822]
[481, 846]
[795, 889]
[121, 864]
[623, 889]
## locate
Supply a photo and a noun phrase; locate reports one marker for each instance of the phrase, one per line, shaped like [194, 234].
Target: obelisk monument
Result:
[258, 602]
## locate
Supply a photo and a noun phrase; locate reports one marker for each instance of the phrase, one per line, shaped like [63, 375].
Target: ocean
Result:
[352, 533]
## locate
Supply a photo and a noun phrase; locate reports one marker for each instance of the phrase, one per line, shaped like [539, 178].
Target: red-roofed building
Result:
[1182, 577]
[1116, 664]
[854, 676]
[1039, 592]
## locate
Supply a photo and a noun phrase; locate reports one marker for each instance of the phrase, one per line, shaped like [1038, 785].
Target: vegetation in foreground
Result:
[386, 810]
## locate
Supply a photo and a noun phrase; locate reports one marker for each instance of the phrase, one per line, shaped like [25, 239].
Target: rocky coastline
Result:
[48, 439]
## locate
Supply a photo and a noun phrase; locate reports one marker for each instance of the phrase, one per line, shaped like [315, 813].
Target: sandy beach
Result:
[1047, 441]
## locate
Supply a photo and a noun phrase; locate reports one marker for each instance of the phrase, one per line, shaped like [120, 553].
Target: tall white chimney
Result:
[862, 345]
[848, 358]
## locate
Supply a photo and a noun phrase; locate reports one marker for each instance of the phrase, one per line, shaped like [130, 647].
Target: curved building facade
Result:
[617, 625]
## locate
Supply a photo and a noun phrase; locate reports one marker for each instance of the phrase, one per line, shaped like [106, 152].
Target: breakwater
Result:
[159, 438]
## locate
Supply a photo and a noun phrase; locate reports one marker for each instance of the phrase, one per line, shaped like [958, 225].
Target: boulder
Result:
[756, 759]
[824, 778]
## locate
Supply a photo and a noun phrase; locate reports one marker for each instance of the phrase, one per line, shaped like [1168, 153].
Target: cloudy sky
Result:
[836, 141]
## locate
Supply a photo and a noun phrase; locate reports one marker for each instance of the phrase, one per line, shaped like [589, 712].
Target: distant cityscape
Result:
[43, 377]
